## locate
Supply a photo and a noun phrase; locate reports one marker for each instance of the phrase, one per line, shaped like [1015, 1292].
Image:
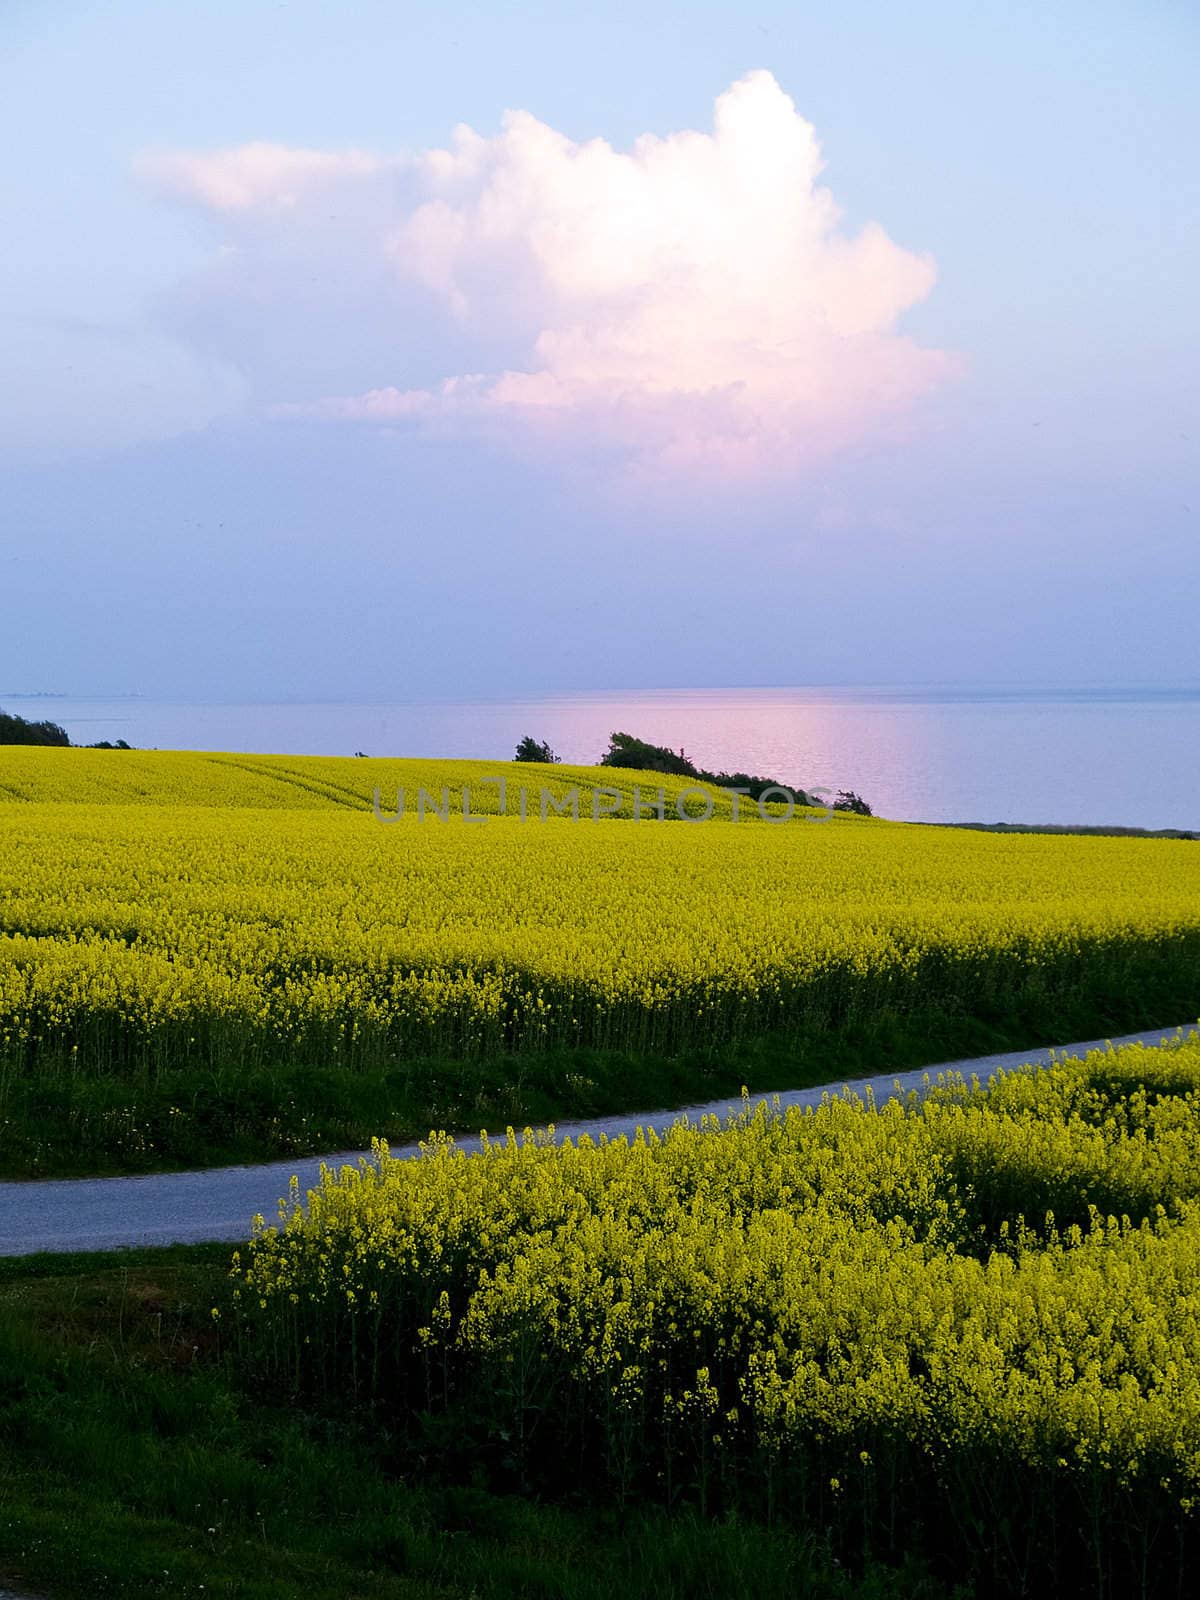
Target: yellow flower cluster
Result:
[180, 933]
[873, 1297]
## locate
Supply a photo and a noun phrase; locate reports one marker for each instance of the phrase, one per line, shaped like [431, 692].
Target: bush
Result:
[531, 749]
[639, 756]
[847, 800]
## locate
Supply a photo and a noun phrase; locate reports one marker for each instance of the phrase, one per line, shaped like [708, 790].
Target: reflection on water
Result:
[1115, 756]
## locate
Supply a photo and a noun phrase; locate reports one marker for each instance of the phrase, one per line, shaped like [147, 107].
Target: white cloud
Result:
[252, 176]
[693, 303]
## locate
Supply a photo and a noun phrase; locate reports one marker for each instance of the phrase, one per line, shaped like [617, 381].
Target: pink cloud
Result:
[694, 302]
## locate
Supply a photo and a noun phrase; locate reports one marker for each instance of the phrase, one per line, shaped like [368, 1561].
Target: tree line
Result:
[20, 730]
[624, 750]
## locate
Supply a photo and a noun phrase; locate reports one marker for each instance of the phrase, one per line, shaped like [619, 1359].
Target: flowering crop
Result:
[864, 1320]
[164, 933]
[322, 783]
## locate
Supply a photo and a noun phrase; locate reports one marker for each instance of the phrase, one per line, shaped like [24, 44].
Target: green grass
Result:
[136, 1459]
[63, 1123]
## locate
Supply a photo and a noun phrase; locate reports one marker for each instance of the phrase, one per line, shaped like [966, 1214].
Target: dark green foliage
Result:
[847, 800]
[531, 749]
[639, 756]
[17, 730]
[635, 754]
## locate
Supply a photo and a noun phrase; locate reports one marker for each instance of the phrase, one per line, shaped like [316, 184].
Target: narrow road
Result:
[218, 1204]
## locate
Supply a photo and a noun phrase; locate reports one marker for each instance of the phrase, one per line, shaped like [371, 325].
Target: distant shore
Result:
[1113, 832]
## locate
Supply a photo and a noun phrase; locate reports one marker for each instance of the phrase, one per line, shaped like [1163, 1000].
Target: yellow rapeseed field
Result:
[864, 1320]
[190, 930]
[315, 783]
[215, 956]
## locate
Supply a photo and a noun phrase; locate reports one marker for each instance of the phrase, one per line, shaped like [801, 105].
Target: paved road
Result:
[190, 1207]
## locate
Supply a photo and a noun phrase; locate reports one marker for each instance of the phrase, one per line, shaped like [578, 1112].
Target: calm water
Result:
[1107, 756]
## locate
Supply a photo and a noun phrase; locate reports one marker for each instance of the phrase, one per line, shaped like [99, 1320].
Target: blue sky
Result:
[294, 408]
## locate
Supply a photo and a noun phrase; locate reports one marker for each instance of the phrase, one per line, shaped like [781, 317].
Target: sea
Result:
[1099, 756]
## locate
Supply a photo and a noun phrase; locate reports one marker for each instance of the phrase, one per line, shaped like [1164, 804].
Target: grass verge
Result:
[55, 1122]
[136, 1459]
